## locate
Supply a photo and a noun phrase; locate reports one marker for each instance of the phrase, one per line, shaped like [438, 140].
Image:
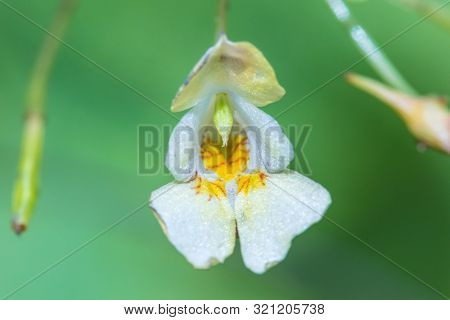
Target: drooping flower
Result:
[229, 160]
[427, 117]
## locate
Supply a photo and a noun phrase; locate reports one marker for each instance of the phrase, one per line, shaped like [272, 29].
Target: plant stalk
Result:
[221, 18]
[369, 48]
[26, 184]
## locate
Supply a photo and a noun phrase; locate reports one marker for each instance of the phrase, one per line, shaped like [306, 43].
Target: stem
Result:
[441, 17]
[368, 47]
[221, 19]
[26, 185]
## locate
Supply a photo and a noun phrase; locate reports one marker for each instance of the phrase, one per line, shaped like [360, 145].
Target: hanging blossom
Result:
[427, 117]
[229, 160]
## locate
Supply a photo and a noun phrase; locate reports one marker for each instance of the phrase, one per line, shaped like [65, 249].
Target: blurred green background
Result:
[384, 191]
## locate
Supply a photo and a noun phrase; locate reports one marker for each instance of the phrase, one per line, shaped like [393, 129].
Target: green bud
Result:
[223, 117]
[25, 190]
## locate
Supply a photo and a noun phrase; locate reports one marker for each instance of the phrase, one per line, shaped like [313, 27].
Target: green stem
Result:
[368, 47]
[221, 19]
[26, 185]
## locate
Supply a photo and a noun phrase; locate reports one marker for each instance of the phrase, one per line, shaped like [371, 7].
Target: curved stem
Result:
[368, 47]
[26, 185]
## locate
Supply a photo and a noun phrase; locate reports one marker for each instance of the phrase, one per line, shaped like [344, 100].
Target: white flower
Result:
[229, 160]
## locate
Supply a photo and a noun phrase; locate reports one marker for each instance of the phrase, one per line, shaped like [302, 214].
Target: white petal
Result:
[269, 146]
[270, 216]
[183, 154]
[201, 228]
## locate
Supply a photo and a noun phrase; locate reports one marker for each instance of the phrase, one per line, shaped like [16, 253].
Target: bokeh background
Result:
[384, 190]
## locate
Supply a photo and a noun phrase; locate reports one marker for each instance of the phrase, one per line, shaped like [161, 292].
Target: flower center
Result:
[226, 161]
[229, 162]
[227, 157]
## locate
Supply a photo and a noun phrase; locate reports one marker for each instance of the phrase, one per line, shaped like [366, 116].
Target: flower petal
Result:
[200, 226]
[183, 154]
[237, 67]
[269, 146]
[271, 214]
